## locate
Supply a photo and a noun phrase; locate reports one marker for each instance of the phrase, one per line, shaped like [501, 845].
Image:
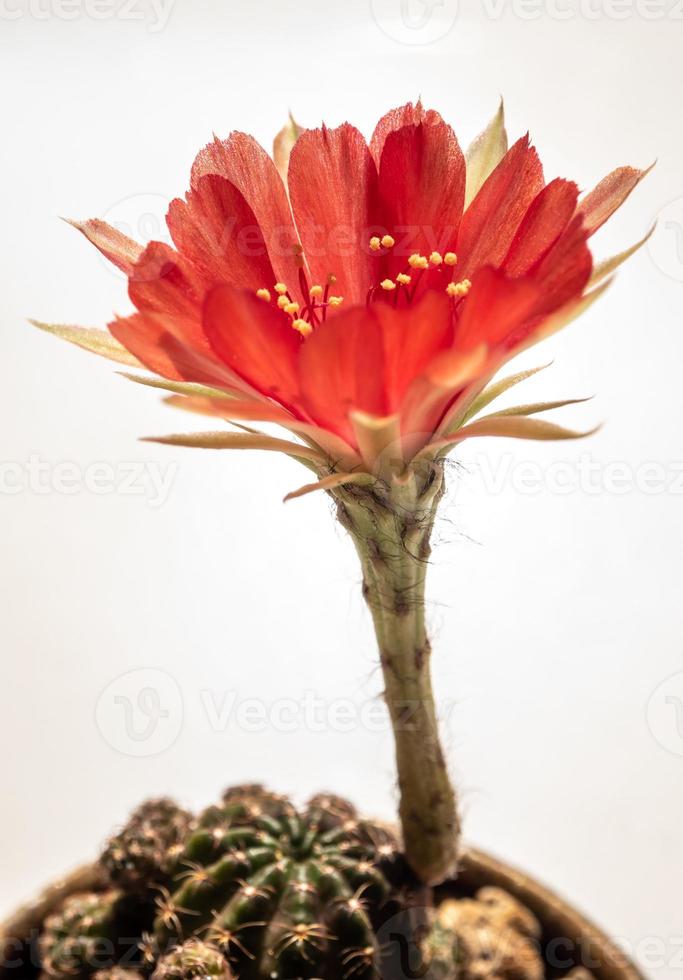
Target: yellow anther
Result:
[388, 284]
[375, 243]
[263, 294]
[403, 278]
[450, 258]
[303, 327]
[388, 241]
[436, 258]
[292, 308]
[417, 261]
[335, 300]
[282, 302]
[280, 288]
[459, 288]
[315, 292]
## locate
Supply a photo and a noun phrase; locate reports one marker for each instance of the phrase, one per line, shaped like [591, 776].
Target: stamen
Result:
[403, 278]
[263, 294]
[315, 292]
[280, 288]
[388, 285]
[303, 327]
[458, 288]
[417, 261]
[282, 301]
[450, 258]
[375, 243]
[292, 308]
[331, 279]
[388, 241]
[335, 300]
[435, 258]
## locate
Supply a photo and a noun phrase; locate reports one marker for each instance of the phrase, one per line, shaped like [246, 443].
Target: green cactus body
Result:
[252, 888]
[144, 852]
[80, 937]
[283, 894]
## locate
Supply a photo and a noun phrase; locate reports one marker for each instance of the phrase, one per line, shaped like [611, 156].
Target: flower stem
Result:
[391, 528]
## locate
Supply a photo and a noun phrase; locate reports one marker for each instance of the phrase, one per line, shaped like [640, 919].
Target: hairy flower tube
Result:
[362, 297]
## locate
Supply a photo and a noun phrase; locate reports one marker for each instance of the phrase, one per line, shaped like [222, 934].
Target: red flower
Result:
[365, 305]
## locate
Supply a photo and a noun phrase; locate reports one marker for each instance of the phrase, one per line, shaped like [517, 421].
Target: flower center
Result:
[403, 287]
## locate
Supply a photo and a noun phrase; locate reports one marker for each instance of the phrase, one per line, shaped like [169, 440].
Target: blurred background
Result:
[169, 626]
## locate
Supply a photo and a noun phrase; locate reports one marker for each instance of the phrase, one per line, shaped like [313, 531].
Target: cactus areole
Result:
[362, 296]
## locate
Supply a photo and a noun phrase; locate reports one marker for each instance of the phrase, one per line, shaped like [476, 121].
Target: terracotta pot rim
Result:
[566, 930]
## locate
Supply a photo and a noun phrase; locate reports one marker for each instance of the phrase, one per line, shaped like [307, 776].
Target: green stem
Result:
[391, 528]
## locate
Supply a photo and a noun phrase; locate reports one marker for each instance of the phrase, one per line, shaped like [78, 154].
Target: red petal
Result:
[245, 164]
[433, 396]
[610, 194]
[164, 284]
[422, 186]
[489, 224]
[255, 340]
[405, 115]
[411, 339]
[565, 270]
[118, 248]
[333, 187]
[216, 230]
[147, 337]
[495, 307]
[341, 368]
[542, 225]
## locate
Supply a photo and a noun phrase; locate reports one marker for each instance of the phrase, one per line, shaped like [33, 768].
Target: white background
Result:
[556, 615]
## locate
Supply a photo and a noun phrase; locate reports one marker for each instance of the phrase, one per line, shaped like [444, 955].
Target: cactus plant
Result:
[250, 886]
[374, 358]
[374, 397]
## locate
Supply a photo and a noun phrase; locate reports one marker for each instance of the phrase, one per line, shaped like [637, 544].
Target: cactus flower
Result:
[364, 303]
[362, 296]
